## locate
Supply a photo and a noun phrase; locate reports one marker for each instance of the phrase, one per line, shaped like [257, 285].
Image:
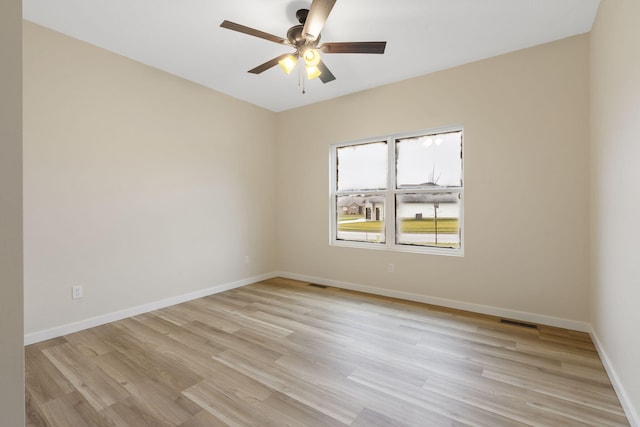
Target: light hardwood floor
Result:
[284, 353]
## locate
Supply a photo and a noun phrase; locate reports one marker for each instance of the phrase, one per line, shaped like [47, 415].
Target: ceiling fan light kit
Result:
[288, 63]
[305, 39]
[313, 72]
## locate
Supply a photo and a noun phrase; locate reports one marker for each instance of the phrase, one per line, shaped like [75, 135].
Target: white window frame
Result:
[389, 193]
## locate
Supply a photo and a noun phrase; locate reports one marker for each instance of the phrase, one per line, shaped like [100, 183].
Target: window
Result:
[401, 192]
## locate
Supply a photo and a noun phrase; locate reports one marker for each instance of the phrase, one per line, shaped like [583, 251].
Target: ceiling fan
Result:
[305, 39]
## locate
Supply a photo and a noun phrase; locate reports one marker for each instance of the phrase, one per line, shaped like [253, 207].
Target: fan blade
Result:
[252, 32]
[318, 14]
[270, 63]
[354, 47]
[326, 75]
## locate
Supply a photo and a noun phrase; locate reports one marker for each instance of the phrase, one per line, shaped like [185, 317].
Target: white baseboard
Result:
[134, 311]
[460, 305]
[625, 400]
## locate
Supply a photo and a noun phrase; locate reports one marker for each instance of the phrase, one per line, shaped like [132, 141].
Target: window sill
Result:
[398, 248]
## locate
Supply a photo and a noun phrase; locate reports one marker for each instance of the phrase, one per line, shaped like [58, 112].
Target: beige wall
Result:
[615, 148]
[526, 125]
[138, 185]
[11, 306]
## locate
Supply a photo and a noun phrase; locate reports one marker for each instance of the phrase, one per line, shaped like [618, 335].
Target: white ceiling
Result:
[183, 37]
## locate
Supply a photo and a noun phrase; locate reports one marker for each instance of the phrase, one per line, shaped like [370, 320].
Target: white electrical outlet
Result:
[76, 292]
[390, 268]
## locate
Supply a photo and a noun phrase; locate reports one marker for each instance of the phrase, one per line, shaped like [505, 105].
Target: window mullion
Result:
[390, 205]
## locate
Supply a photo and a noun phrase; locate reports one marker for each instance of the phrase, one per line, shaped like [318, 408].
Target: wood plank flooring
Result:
[283, 353]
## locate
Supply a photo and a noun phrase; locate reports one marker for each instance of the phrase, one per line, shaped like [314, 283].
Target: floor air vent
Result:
[315, 285]
[521, 324]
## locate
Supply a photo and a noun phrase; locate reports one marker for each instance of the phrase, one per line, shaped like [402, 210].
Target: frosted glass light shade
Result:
[288, 63]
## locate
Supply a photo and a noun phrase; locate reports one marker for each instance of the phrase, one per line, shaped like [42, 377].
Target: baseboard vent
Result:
[315, 285]
[520, 324]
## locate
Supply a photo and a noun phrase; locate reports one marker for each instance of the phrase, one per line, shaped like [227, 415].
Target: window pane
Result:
[362, 167]
[429, 161]
[428, 219]
[360, 218]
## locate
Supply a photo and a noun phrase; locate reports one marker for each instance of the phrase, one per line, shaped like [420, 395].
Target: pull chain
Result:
[301, 80]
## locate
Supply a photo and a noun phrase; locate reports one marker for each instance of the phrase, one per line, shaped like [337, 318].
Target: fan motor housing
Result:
[295, 34]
